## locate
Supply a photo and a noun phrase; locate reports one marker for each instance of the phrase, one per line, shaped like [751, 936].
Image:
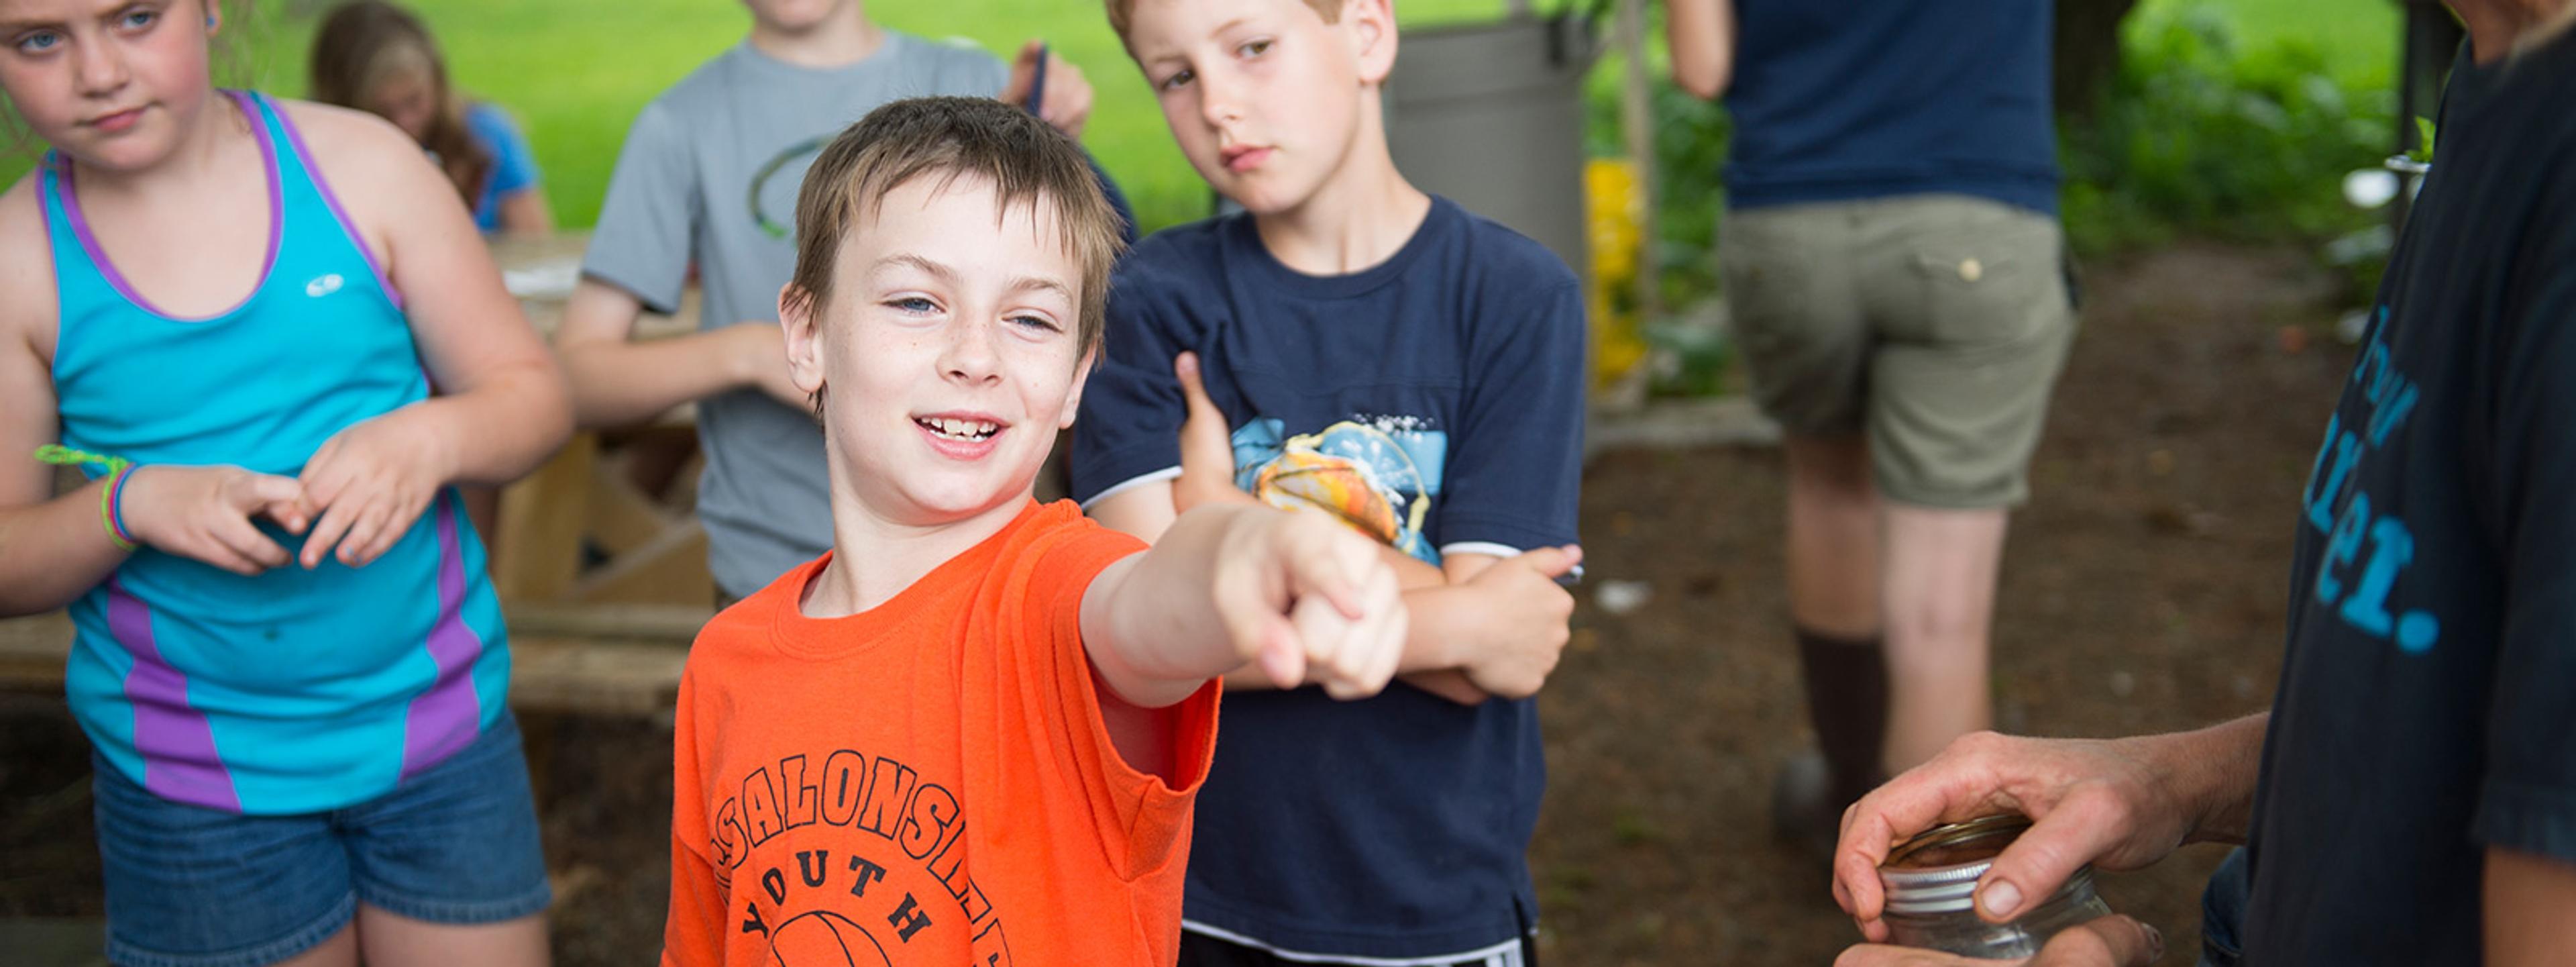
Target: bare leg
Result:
[392, 940]
[1833, 564]
[339, 951]
[1940, 603]
[1833, 537]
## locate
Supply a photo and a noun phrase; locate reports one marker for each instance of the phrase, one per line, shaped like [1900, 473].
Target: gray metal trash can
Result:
[1491, 116]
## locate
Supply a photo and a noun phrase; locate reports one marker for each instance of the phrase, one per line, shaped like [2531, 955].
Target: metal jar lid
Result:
[1936, 872]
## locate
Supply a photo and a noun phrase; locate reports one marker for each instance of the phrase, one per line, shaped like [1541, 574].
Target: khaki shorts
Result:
[1936, 324]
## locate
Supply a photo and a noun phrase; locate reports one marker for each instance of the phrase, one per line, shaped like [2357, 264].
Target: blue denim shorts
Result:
[195, 887]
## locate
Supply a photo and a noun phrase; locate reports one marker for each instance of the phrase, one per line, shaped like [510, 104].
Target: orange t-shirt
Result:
[929, 782]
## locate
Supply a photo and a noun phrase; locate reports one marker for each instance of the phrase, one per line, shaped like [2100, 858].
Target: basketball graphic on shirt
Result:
[824, 939]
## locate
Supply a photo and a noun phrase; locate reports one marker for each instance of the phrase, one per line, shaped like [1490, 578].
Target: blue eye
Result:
[38, 42]
[913, 304]
[138, 19]
[1036, 322]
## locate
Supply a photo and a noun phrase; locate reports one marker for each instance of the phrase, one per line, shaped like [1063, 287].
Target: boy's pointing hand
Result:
[1311, 602]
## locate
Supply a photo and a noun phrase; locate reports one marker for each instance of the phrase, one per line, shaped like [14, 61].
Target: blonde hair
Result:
[948, 138]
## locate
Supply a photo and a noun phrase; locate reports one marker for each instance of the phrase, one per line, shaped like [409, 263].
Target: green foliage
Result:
[1690, 153]
[2202, 136]
[1689, 358]
[575, 72]
[2358, 36]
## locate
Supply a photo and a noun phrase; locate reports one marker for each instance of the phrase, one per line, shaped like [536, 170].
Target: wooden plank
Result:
[671, 623]
[671, 569]
[542, 270]
[595, 677]
[33, 649]
[538, 556]
[549, 673]
[622, 518]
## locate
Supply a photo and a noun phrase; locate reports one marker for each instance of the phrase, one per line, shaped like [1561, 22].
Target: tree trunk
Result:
[2088, 52]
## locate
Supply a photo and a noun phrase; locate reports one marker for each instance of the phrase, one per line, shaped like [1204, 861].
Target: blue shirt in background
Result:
[1434, 401]
[514, 166]
[1839, 100]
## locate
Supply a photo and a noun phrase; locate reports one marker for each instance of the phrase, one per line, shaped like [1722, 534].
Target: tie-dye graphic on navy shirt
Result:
[1433, 401]
[1377, 478]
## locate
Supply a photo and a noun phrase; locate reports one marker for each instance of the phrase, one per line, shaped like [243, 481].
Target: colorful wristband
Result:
[113, 505]
[111, 511]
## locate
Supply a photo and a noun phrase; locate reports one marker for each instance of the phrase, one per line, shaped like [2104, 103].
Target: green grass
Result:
[2358, 37]
[577, 71]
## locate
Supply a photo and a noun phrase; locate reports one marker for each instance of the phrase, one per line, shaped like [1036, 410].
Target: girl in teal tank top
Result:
[274, 342]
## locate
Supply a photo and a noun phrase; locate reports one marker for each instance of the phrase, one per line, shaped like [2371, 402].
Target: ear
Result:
[1370, 25]
[802, 319]
[1073, 393]
[214, 17]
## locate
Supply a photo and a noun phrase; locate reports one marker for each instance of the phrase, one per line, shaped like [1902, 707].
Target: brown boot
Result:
[1847, 704]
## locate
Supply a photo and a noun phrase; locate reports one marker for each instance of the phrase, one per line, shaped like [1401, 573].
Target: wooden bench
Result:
[580, 500]
[575, 660]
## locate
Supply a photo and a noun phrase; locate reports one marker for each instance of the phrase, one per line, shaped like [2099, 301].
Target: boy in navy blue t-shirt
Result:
[1384, 356]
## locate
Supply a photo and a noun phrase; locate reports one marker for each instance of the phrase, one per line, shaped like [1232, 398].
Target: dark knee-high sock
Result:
[1847, 703]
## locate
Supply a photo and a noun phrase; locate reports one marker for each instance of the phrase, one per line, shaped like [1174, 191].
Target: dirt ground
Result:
[2143, 590]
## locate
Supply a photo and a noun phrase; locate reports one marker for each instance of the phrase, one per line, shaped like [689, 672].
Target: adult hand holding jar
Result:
[2119, 804]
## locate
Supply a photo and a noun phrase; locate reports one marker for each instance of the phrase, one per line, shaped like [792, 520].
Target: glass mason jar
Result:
[1931, 885]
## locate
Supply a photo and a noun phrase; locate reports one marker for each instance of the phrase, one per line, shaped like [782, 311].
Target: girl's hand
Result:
[367, 485]
[204, 513]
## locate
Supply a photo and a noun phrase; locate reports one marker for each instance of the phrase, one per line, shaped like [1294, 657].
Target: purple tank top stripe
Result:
[177, 744]
[446, 717]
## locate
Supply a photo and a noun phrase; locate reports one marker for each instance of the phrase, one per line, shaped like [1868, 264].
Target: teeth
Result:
[959, 429]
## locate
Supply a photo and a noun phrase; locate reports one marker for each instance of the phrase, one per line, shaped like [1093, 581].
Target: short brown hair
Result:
[1122, 13]
[1026, 161]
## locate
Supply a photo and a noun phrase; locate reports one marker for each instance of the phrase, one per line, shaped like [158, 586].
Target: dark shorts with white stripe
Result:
[1201, 950]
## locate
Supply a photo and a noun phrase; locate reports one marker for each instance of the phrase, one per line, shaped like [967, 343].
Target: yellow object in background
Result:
[1615, 208]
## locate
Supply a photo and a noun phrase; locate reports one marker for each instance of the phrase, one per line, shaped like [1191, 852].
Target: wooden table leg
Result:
[538, 557]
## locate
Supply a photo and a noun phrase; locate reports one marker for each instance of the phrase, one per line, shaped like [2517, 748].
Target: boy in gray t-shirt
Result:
[708, 178]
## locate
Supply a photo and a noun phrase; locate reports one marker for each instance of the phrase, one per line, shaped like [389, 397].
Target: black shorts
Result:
[1201, 950]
